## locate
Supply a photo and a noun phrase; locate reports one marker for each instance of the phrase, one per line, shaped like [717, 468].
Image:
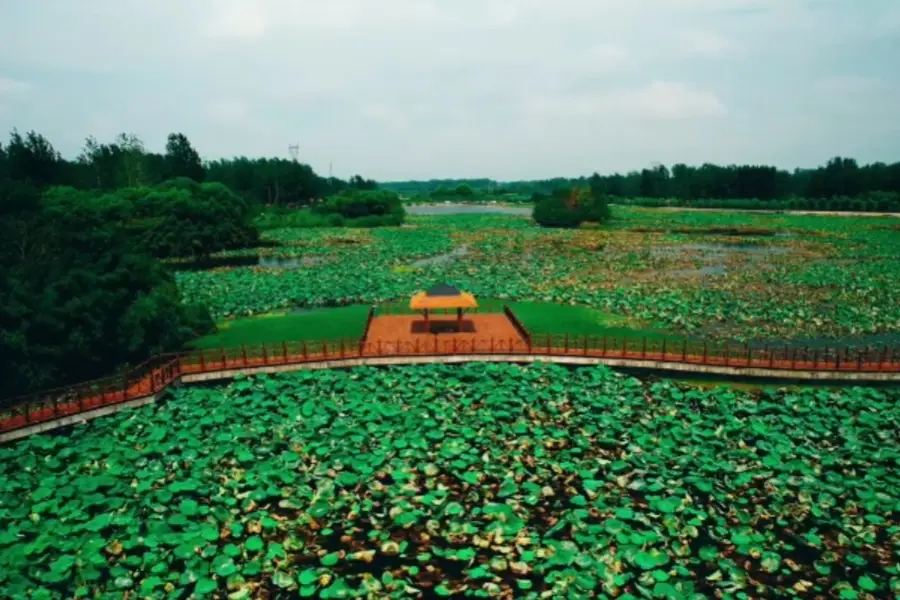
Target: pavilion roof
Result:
[442, 296]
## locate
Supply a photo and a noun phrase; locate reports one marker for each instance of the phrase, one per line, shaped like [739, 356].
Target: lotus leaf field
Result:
[720, 275]
[472, 480]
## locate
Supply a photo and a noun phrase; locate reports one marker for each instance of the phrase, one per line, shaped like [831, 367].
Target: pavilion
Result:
[443, 297]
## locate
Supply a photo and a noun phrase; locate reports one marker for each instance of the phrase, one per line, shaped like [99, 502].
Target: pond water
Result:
[710, 271]
[714, 256]
[272, 262]
[466, 209]
[719, 251]
[441, 259]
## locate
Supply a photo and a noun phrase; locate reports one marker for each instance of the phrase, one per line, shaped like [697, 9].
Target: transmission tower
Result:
[294, 151]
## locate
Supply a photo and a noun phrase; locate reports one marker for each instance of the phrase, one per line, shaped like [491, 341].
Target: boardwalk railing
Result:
[156, 374]
[520, 327]
[369, 318]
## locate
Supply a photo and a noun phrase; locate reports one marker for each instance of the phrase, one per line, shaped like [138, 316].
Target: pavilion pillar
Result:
[459, 318]
[426, 315]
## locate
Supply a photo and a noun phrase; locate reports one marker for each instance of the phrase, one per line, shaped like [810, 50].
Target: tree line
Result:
[125, 162]
[84, 287]
[840, 184]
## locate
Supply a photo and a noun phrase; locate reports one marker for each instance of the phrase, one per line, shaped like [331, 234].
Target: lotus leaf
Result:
[617, 486]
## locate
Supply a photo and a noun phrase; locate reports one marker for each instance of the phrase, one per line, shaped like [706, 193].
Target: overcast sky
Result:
[508, 89]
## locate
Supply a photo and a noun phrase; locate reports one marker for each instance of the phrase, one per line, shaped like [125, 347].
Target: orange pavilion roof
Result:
[442, 296]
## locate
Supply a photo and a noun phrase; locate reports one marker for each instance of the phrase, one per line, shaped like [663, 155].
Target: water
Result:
[719, 251]
[271, 262]
[441, 259]
[467, 209]
[710, 271]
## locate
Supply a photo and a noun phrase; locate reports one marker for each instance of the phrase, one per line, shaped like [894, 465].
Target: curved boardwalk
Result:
[58, 408]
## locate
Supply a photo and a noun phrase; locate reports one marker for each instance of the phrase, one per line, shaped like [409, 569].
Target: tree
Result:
[181, 160]
[33, 159]
[183, 218]
[562, 208]
[273, 181]
[78, 297]
[464, 190]
[367, 207]
[122, 163]
[357, 182]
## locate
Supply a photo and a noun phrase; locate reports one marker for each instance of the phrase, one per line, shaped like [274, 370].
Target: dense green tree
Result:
[570, 206]
[358, 182]
[122, 163]
[181, 160]
[366, 207]
[77, 295]
[33, 159]
[183, 218]
[272, 181]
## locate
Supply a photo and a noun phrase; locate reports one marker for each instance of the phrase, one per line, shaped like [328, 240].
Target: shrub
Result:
[553, 211]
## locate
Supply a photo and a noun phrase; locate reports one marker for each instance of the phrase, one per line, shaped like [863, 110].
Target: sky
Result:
[507, 89]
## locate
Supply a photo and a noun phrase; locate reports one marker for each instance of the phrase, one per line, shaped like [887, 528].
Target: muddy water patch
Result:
[466, 209]
[442, 259]
[270, 262]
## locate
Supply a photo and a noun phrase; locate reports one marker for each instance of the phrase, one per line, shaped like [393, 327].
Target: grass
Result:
[326, 323]
[541, 318]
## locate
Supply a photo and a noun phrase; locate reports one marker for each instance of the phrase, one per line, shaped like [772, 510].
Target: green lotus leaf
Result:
[254, 543]
[205, 586]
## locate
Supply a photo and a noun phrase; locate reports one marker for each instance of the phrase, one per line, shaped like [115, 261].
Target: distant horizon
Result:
[347, 175]
[412, 90]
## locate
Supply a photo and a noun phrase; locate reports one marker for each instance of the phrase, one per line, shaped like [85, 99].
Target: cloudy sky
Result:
[509, 89]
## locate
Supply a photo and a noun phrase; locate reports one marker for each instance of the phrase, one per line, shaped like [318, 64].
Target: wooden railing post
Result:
[794, 359]
[342, 347]
[548, 343]
[567, 344]
[726, 353]
[705, 351]
[265, 355]
[397, 348]
[124, 389]
[644, 348]
[454, 345]
[224, 358]
[771, 354]
[435, 344]
[244, 353]
[684, 350]
[748, 353]
[859, 360]
[284, 351]
[816, 358]
[202, 362]
[585, 345]
[492, 344]
[837, 359]
[324, 348]
[624, 346]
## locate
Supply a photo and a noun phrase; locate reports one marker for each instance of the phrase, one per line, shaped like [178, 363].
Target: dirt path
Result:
[821, 213]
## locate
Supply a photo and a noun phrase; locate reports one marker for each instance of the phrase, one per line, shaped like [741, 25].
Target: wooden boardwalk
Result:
[397, 332]
[396, 339]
